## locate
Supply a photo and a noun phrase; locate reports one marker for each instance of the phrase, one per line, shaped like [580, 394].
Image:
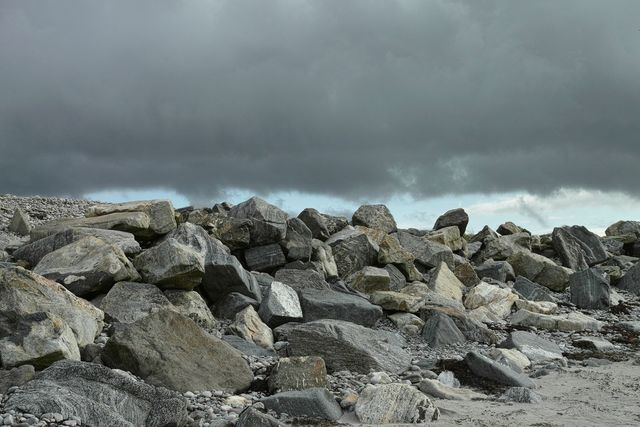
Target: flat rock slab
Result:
[571, 322]
[489, 369]
[442, 391]
[309, 403]
[537, 349]
[327, 304]
[298, 373]
[394, 403]
[127, 302]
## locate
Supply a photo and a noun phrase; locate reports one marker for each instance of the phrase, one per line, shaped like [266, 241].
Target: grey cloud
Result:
[356, 99]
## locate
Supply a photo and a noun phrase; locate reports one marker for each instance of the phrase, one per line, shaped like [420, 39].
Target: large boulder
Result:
[127, 302]
[297, 243]
[170, 350]
[471, 329]
[532, 291]
[281, 305]
[35, 251]
[501, 248]
[440, 330]
[316, 223]
[347, 346]
[171, 264]
[396, 301]
[369, 279]
[192, 305]
[352, 251]
[310, 403]
[497, 270]
[536, 348]
[489, 303]
[99, 396]
[631, 280]
[540, 269]
[590, 289]
[328, 304]
[265, 258]
[234, 233]
[454, 217]
[630, 230]
[448, 236]
[301, 279]
[394, 403]
[375, 216]
[249, 326]
[136, 223]
[269, 223]
[24, 293]
[298, 373]
[489, 369]
[427, 253]
[571, 322]
[445, 283]
[87, 267]
[578, 247]
[160, 212]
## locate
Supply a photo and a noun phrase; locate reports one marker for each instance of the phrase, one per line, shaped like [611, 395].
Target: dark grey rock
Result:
[631, 280]
[251, 417]
[429, 254]
[316, 223]
[454, 217]
[265, 258]
[234, 233]
[298, 373]
[352, 251]
[297, 243]
[532, 291]
[509, 228]
[99, 397]
[486, 234]
[440, 330]
[397, 280]
[327, 304]
[247, 348]
[269, 223]
[590, 289]
[301, 279]
[470, 328]
[19, 223]
[536, 348]
[497, 270]
[15, 377]
[578, 247]
[171, 264]
[309, 403]
[375, 216]
[335, 223]
[127, 302]
[170, 350]
[233, 303]
[489, 369]
[625, 228]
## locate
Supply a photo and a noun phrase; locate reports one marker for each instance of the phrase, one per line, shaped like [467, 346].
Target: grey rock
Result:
[625, 228]
[136, 223]
[394, 403]
[572, 322]
[578, 247]
[352, 251]
[497, 270]
[323, 254]
[298, 373]
[98, 396]
[397, 280]
[445, 283]
[448, 236]
[471, 329]
[630, 282]
[34, 252]
[248, 325]
[170, 350]
[87, 267]
[466, 274]
[15, 377]
[160, 212]
[489, 369]
[540, 270]
[335, 223]
[316, 223]
[297, 243]
[503, 248]
[171, 264]
[23, 293]
[19, 223]
[192, 305]
[233, 303]
[248, 348]
[439, 390]
[454, 217]
[127, 302]
[532, 291]
[484, 235]
[347, 346]
[536, 348]
[369, 279]
[594, 343]
[265, 258]
[235, 233]
[440, 330]
[429, 254]
[590, 289]
[302, 279]
[375, 216]
[310, 403]
[520, 395]
[509, 228]
[328, 304]
[251, 417]
[269, 223]
[280, 306]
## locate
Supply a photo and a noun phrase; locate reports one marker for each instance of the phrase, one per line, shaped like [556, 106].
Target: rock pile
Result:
[139, 314]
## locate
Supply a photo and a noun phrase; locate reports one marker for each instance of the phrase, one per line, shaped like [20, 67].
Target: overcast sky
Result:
[512, 109]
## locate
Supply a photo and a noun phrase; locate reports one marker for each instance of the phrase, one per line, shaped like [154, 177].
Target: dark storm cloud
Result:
[349, 98]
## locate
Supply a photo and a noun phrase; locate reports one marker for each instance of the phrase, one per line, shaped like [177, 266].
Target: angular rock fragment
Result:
[631, 280]
[15, 377]
[572, 322]
[160, 213]
[540, 270]
[590, 289]
[281, 305]
[19, 223]
[233, 303]
[490, 302]
[578, 247]
[442, 391]
[352, 251]
[409, 323]
[269, 223]
[394, 403]
[369, 279]
[316, 223]
[251, 417]
[265, 258]
[445, 283]
[454, 217]
[328, 304]
[127, 302]
[497, 270]
[486, 368]
[191, 305]
[440, 330]
[249, 326]
[396, 301]
[537, 349]
[532, 291]
[298, 373]
[171, 265]
[310, 403]
[297, 243]
[427, 253]
[375, 216]
[448, 236]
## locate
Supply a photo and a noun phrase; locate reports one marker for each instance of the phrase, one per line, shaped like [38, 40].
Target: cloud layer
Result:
[354, 99]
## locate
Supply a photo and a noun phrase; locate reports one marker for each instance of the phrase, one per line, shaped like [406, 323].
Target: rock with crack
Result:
[99, 396]
[265, 258]
[470, 328]
[375, 216]
[489, 303]
[590, 289]
[489, 369]
[192, 305]
[532, 291]
[302, 279]
[510, 357]
[394, 403]
[571, 322]
[631, 280]
[427, 253]
[396, 301]
[448, 236]
[87, 267]
[233, 303]
[346, 346]
[408, 323]
[445, 283]
[352, 251]
[160, 213]
[497, 270]
[440, 331]
[578, 247]
[319, 304]
[534, 347]
[136, 223]
[269, 223]
[171, 265]
[297, 243]
[540, 270]
[542, 307]
[454, 217]
[249, 326]
[316, 223]
[281, 305]
[323, 254]
[369, 280]
[127, 302]
[170, 350]
[502, 248]
[298, 373]
[310, 403]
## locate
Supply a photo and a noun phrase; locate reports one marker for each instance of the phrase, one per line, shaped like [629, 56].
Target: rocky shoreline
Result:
[142, 314]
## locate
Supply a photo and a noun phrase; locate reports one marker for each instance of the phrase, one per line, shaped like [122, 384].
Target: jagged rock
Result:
[316, 223]
[470, 328]
[127, 302]
[448, 236]
[396, 301]
[394, 403]
[265, 258]
[590, 289]
[99, 396]
[87, 267]
[34, 252]
[375, 216]
[535, 348]
[322, 254]
[37, 339]
[251, 417]
[328, 304]
[298, 373]
[509, 228]
[15, 377]
[346, 346]
[625, 228]
[171, 264]
[407, 322]
[532, 291]
[503, 248]
[466, 274]
[352, 251]
[492, 299]
[249, 326]
[572, 322]
[234, 233]
[297, 243]
[442, 391]
[4, 256]
[484, 367]
[136, 223]
[445, 283]
[540, 270]
[369, 279]
[578, 247]
[160, 212]
[454, 217]
[392, 253]
[335, 223]
[631, 280]
[543, 307]
[170, 350]
[497, 270]
[23, 293]
[233, 303]
[280, 306]
[440, 330]
[19, 223]
[510, 357]
[397, 280]
[191, 305]
[301, 279]
[429, 254]
[520, 395]
[311, 403]
[248, 348]
[269, 223]
[486, 234]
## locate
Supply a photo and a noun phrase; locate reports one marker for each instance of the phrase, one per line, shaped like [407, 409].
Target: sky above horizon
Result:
[515, 110]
